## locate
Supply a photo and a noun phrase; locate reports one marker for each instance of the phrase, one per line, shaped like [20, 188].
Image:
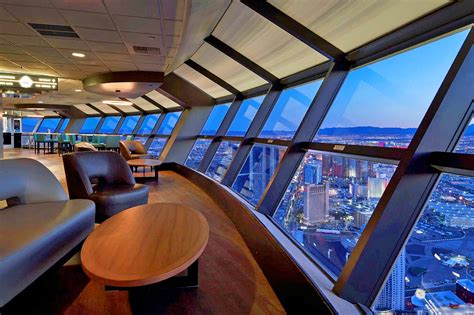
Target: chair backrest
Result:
[84, 146]
[105, 166]
[130, 138]
[26, 181]
[136, 147]
[124, 151]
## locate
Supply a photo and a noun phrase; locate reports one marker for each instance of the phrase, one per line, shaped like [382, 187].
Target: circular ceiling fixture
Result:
[127, 84]
[118, 103]
[78, 55]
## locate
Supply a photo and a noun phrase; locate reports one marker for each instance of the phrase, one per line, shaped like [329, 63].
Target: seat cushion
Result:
[111, 199]
[141, 156]
[34, 237]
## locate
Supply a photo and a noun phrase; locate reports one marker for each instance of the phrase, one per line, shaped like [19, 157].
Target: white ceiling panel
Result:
[173, 10]
[5, 16]
[8, 49]
[120, 66]
[148, 59]
[38, 3]
[24, 40]
[39, 50]
[15, 28]
[88, 19]
[162, 100]
[350, 24]
[265, 43]
[128, 109]
[141, 8]
[80, 5]
[173, 27]
[197, 79]
[17, 57]
[114, 57]
[107, 47]
[150, 67]
[145, 40]
[226, 68]
[143, 104]
[35, 15]
[137, 24]
[98, 35]
[73, 43]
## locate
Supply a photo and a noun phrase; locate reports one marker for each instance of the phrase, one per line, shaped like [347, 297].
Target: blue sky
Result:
[397, 91]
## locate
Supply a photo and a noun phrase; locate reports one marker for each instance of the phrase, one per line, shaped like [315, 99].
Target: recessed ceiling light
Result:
[111, 102]
[151, 37]
[77, 90]
[41, 102]
[79, 55]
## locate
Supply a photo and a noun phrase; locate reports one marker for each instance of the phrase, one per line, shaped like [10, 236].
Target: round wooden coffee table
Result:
[144, 163]
[145, 245]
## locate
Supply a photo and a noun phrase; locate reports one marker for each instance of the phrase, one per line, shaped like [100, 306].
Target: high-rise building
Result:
[362, 217]
[376, 187]
[312, 173]
[316, 203]
[392, 296]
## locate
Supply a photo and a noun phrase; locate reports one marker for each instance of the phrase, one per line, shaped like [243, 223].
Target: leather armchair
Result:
[105, 178]
[133, 149]
[39, 226]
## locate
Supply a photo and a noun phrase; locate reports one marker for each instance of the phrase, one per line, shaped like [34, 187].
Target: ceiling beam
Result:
[155, 103]
[211, 76]
[244, 61]
[67, 110]
[295, 28]
[122, 113]
[183, 92]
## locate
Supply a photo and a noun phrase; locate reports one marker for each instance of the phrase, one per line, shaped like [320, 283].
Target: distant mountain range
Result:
[368, 130]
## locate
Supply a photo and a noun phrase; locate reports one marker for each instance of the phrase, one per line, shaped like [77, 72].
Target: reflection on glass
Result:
[434, 273]
[110, 122]
[64, 125]
[328, 203]
[148, 124]
[168, 123]
[257, 171]
[157, 146]
[221, 160]
[383, 103]
[28, 124]
[48, 125]
[244, 116]
[215, 119]
[197, 153]
[141, 139]
[129, 124]
[289, 111]
[466, 143]
[89, 125]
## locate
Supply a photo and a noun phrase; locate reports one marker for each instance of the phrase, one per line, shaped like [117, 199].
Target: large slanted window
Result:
[48, 125]
[148, 124]
[247, 111]
[222, 159]
[382, 104]
[129, 124]
[328, 203]
[213, 123]
[109, 125]
[257, 171]
[90, 125]
[466, 144]
[289, 111]
[63, 127]
[28, 124]
[169, 123]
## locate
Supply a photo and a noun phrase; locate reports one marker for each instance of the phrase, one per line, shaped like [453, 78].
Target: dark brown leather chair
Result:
[105, 178]
[133, 149]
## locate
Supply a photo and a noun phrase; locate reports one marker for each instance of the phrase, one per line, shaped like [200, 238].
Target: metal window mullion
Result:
[139, 124]
[119, 125]
[158, 124]
[59, 125]
[221, 131]
[309, 126]
[411, 185]
[99, 125]
[254, 129]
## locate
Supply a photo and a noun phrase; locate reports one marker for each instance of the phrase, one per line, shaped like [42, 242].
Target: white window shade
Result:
[226, 68]
[86, 109]
[200, 81]
[351, 24]
[104, 108]
[264, 43]
[162, 100]
[144, 104]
